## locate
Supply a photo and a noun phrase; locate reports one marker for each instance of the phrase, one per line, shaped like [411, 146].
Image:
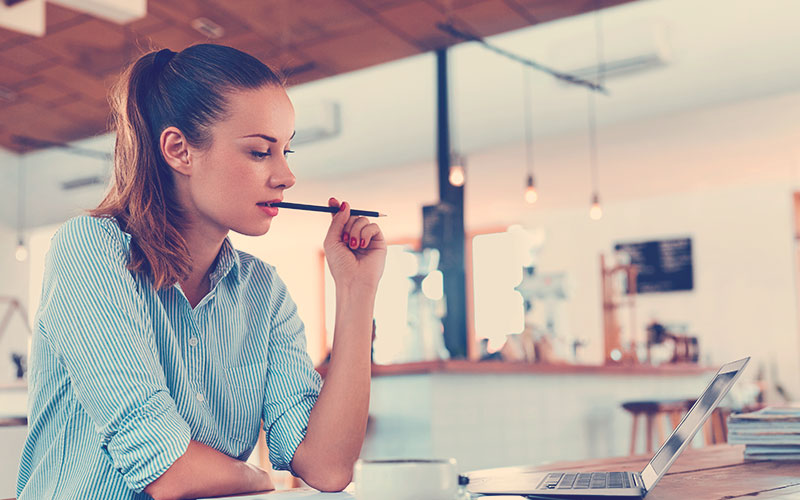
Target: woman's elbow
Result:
[330, 479]
[158, 493]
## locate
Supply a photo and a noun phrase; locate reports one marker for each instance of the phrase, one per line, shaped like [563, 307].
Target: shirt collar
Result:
[227, 262]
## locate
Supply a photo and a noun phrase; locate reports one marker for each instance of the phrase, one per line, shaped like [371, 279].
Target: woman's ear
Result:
[175, 150]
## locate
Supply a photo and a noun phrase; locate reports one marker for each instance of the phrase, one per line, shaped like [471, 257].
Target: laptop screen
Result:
[692, 421]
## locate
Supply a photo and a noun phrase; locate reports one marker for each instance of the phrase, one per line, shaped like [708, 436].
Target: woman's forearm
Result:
[203, 471]
[337, 424]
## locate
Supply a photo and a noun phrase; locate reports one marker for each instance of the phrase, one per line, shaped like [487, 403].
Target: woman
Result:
[158, 347]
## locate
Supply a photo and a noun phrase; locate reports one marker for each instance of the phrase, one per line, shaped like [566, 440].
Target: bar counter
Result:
[492, 414]
[497, 367]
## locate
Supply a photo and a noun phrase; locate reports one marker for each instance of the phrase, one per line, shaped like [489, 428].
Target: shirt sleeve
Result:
[94, 319]
[293, 384]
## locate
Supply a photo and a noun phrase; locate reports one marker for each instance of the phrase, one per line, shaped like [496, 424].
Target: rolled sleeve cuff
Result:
[150, 440]
[287, 432]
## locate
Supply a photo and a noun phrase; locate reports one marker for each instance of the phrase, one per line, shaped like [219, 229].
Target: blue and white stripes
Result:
[123, 376]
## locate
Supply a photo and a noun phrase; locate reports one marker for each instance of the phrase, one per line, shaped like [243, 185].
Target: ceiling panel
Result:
[490, 17]
[65, 75]
[27, 58]
[417, 20]
[364, 48]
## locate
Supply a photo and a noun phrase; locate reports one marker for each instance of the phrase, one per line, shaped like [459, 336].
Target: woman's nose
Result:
[283, 178]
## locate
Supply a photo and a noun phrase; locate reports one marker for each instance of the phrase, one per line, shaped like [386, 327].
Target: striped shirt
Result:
[123, 376]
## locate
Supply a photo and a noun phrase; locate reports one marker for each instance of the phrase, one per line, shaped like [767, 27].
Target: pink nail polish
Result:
[345, 237]
[353, 242]
[342, 206]
[363, 243]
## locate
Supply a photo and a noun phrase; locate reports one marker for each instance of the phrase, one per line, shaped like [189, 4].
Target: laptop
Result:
[517, 481]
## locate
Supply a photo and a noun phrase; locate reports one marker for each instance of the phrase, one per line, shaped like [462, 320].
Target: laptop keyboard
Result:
[585, 481]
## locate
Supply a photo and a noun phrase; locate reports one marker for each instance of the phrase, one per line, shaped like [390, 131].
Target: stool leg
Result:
[718, 425]
[674, 418]
[633, 433]
[660, 430]
[649, 445]
[708, 432]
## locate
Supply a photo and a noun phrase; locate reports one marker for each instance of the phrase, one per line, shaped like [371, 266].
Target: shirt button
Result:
[193, 341]
[200, 397]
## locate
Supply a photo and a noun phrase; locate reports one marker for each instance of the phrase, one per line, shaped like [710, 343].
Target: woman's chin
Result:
[255, 230]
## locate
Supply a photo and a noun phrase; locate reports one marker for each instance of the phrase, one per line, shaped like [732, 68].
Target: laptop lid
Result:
[692, 421]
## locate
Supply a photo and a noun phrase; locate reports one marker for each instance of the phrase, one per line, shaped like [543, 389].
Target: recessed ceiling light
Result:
[208, 27]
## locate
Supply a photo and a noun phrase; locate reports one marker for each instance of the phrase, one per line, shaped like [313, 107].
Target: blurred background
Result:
[589, 202]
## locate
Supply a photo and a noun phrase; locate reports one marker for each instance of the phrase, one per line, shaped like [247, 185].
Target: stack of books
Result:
[772, 433]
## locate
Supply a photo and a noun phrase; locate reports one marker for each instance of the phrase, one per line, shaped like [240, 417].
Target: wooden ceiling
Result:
[54, 88]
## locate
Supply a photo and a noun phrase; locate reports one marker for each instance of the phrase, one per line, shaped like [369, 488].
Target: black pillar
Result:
[451, 239]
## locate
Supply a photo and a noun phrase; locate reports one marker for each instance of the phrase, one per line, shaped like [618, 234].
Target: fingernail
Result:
[353, 242]
[363, 243]
[345, 237]
[341, 207]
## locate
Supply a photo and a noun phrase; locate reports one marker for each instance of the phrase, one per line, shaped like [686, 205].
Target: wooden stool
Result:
[715, 429]
[652, 410]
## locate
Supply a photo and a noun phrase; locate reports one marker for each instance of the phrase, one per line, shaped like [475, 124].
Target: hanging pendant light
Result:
[595, 209]
[531, 195]
[21, 253]
[457, 164]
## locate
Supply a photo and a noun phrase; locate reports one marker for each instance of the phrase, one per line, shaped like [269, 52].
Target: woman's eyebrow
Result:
[270, 139]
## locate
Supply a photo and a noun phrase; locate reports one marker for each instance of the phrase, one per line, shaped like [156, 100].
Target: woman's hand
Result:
[355, 249]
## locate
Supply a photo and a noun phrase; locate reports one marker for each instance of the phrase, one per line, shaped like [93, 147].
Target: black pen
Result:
[319, 208]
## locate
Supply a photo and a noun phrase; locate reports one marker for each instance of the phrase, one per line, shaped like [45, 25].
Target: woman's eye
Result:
[259, 154]
[287, 152]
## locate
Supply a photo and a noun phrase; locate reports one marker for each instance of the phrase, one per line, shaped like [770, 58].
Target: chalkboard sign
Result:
[663, 266]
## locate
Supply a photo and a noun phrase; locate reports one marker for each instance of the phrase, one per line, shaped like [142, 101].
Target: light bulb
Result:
[456, 175]
[596, 212]
[21, 253]
[531, 195]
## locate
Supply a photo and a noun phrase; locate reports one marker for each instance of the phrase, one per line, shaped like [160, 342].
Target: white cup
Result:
[406, 479]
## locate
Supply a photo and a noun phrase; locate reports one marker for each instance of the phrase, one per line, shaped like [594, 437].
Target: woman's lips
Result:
[271, 211]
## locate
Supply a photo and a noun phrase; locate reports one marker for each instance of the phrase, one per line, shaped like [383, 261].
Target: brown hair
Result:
[186, 90]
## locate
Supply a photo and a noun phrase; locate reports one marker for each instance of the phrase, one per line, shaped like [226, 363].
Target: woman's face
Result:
[246, 164]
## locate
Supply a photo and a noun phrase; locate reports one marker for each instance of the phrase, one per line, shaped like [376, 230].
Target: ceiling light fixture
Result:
[595, 210]
[457, 164]
[207, 27]
[531, 195]
[116, 11]
[22, 252]
[26, 16]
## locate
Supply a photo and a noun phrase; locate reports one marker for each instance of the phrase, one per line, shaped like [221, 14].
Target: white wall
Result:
[709, 174]
[13, 283]
[13, 278]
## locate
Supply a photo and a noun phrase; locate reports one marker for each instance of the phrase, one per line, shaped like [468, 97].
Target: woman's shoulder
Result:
[84, 231]
[257, 271]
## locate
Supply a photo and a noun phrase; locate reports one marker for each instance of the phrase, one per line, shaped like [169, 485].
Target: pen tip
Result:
[382, 215]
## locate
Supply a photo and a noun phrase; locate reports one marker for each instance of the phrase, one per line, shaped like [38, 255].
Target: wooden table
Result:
[711, 473]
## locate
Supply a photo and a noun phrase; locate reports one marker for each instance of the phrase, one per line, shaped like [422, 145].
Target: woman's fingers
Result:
[333, 202]
[348, 228]
[339, 220]
[369, 233]
[355, 232]
[357, 224]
